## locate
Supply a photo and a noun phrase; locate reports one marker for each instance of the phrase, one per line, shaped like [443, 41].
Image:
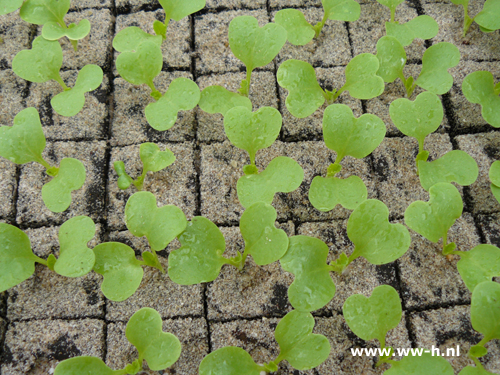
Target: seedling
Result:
[18, 260]
[24, 142]
[144, 331]
[347, 136]
[488, 19]
[495, 180]
[301, 348]
[479, 88]
[482, 263]
[423, 364]
[153, 160]
[43, 62]
[176, 10]
[305, 95]
[300, 32]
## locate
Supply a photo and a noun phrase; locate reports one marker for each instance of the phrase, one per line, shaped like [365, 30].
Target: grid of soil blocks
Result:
[49, 318]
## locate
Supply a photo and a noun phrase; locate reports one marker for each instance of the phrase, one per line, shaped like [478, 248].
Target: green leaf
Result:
[454, 166]
[305, 95]
[263, 241]
[83, 365]
[420, 365]
[489, 17]
[391, 4]
[130, 38]
[485, 310]
[392, 58]
[142, 65]
[421, 27]
[8, 6]
[217, 99]
[479, 264]
[433, 219]
[282, 175]
[374, 238]
[160, 349]
[54, 31]
[41, 12]
[121, 270]
[56, 194]
[299, 31]
[200, 259]
[178, 9]
[159, 225]
[75, 258]
[372, 317]
[341, 10]
[24, 142]
[464, 3]
[495, 190]
[436, 61]
[419, 118]
[229, 360]
[153, 159]
[124, 180]
[182, 95]
[41, 63]
[313, 287]
[479, 88]
[494, 175]
[255, 46]
[361, 79]
[326, 193]
[18, 260]
[469, 370]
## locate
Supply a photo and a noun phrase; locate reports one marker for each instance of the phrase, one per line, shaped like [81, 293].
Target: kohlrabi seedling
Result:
[153, 160]
[495, 180]
[253, 45]
[18, 260]
[176, 10]
[43, 62]
[301, 32]
[488, 19]
[305, 95]
[423, 364]
[24, 142]
[347, 136]
[301, 348]
[217, 99]
[144, 331]
[479, 88]
[482, 263]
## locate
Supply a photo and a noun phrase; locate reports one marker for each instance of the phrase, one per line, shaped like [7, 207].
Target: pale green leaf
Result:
[54, 31]
[392, 58]
[424, 364]
[485, 309]
[299, 31]
[391, 4]
[479, 88]
[494, 175]
[361, 79]
[40, 12]
[326, 193]
[421, 27]
[142, 65]
[474, 371]
[8, 6]
[479, 264]
[130, 38]
[83, 365]
[342, 10]
[495, 190]
[217, 99]
[153, 159]
[178, 9]
[229, 360]
[489, 17]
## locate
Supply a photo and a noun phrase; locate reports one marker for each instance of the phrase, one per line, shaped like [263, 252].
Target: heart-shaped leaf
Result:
[479, 88]
[255, 46]
[178, 9]
[341, 10]
[479, 264]
[489, 17]
[424, 364]
[392, 58]
[374, 238]
[313, 287]
[121, 270]
[485, 310]
[217, 99]
[421, 27]
[252, 131]
[41, 63]
[159, 225]
[419, 118]
[69, 103]
[200, 259]
[347, 135]
[263, 241]
[160, 349]
[182, 95]
[282, 175]
[229, 360]
[56, 194]
[41, 12]
[494, 178]
[454, 166]
[83, 365]
[130, 38]
[433, 219]
[8, 6]
[54, 31]
[436, 61]
[24, 141]
[299, 31]
[305, 95]
[372, 317]
[391, 4]
[361, 79]
[326, 193]
[474, 371]
[153, 159]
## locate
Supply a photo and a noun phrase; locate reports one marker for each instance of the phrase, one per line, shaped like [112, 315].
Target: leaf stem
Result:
[393, 14]
[74, 43]
[59, 80]
[467, 20]
[337, 94]
[40, 260]
[319, 26]
[245, 84]
[139, 182]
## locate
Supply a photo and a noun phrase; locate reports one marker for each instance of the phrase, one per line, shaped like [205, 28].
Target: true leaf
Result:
[421, 27]
[326, 193]
[485, 309]
[178, 9]
[54, 31]
[361, 79]
[8, 6]
[83, 365]
[217, 99]
[479, 264]
[160, 349]
[299, 31]
[372, 317]
[341, 10]
[479, 87]
[41, 12]
[489, 17]
[424, 364]
[391, 4]
[494, 175]
[313, 287]
[124, 180]
[229, 360]
[282, 175]
[130, 38]
[56, 194]
[153, 159]
[182, 95]
[392, 58]
[374, 238]
[159, 225]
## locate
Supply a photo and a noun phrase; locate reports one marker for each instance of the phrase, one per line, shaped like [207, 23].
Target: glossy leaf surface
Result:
[54, 31]
[153, 159]
[341, 10]
[361, 79]
[83, 365]
[420, 365]
[479, 264]
[299, 31]
[8, 6]
[485, 309]
[392, 58]
[229, 360]
[421, 27]
[489, 17]
[217, 99]
[41, 12]
[326, 193]
[479, 88]
[178, 9]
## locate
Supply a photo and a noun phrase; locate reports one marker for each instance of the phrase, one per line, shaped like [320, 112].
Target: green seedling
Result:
[392, 5]
[9, 6]
[200, 258]
[433, 219]
[371, 318]
[176, 10]
[488, 19]
[144, 331]
[18, 260]
[305, 95]
[217, 99]
[24, 142]
[153, 160]
[253, 45]
[43, 62]
[494, 175]
[482, 263]
[347, 136]
[301, 348]
[301, 32]
[479, 88]
[423, 364]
